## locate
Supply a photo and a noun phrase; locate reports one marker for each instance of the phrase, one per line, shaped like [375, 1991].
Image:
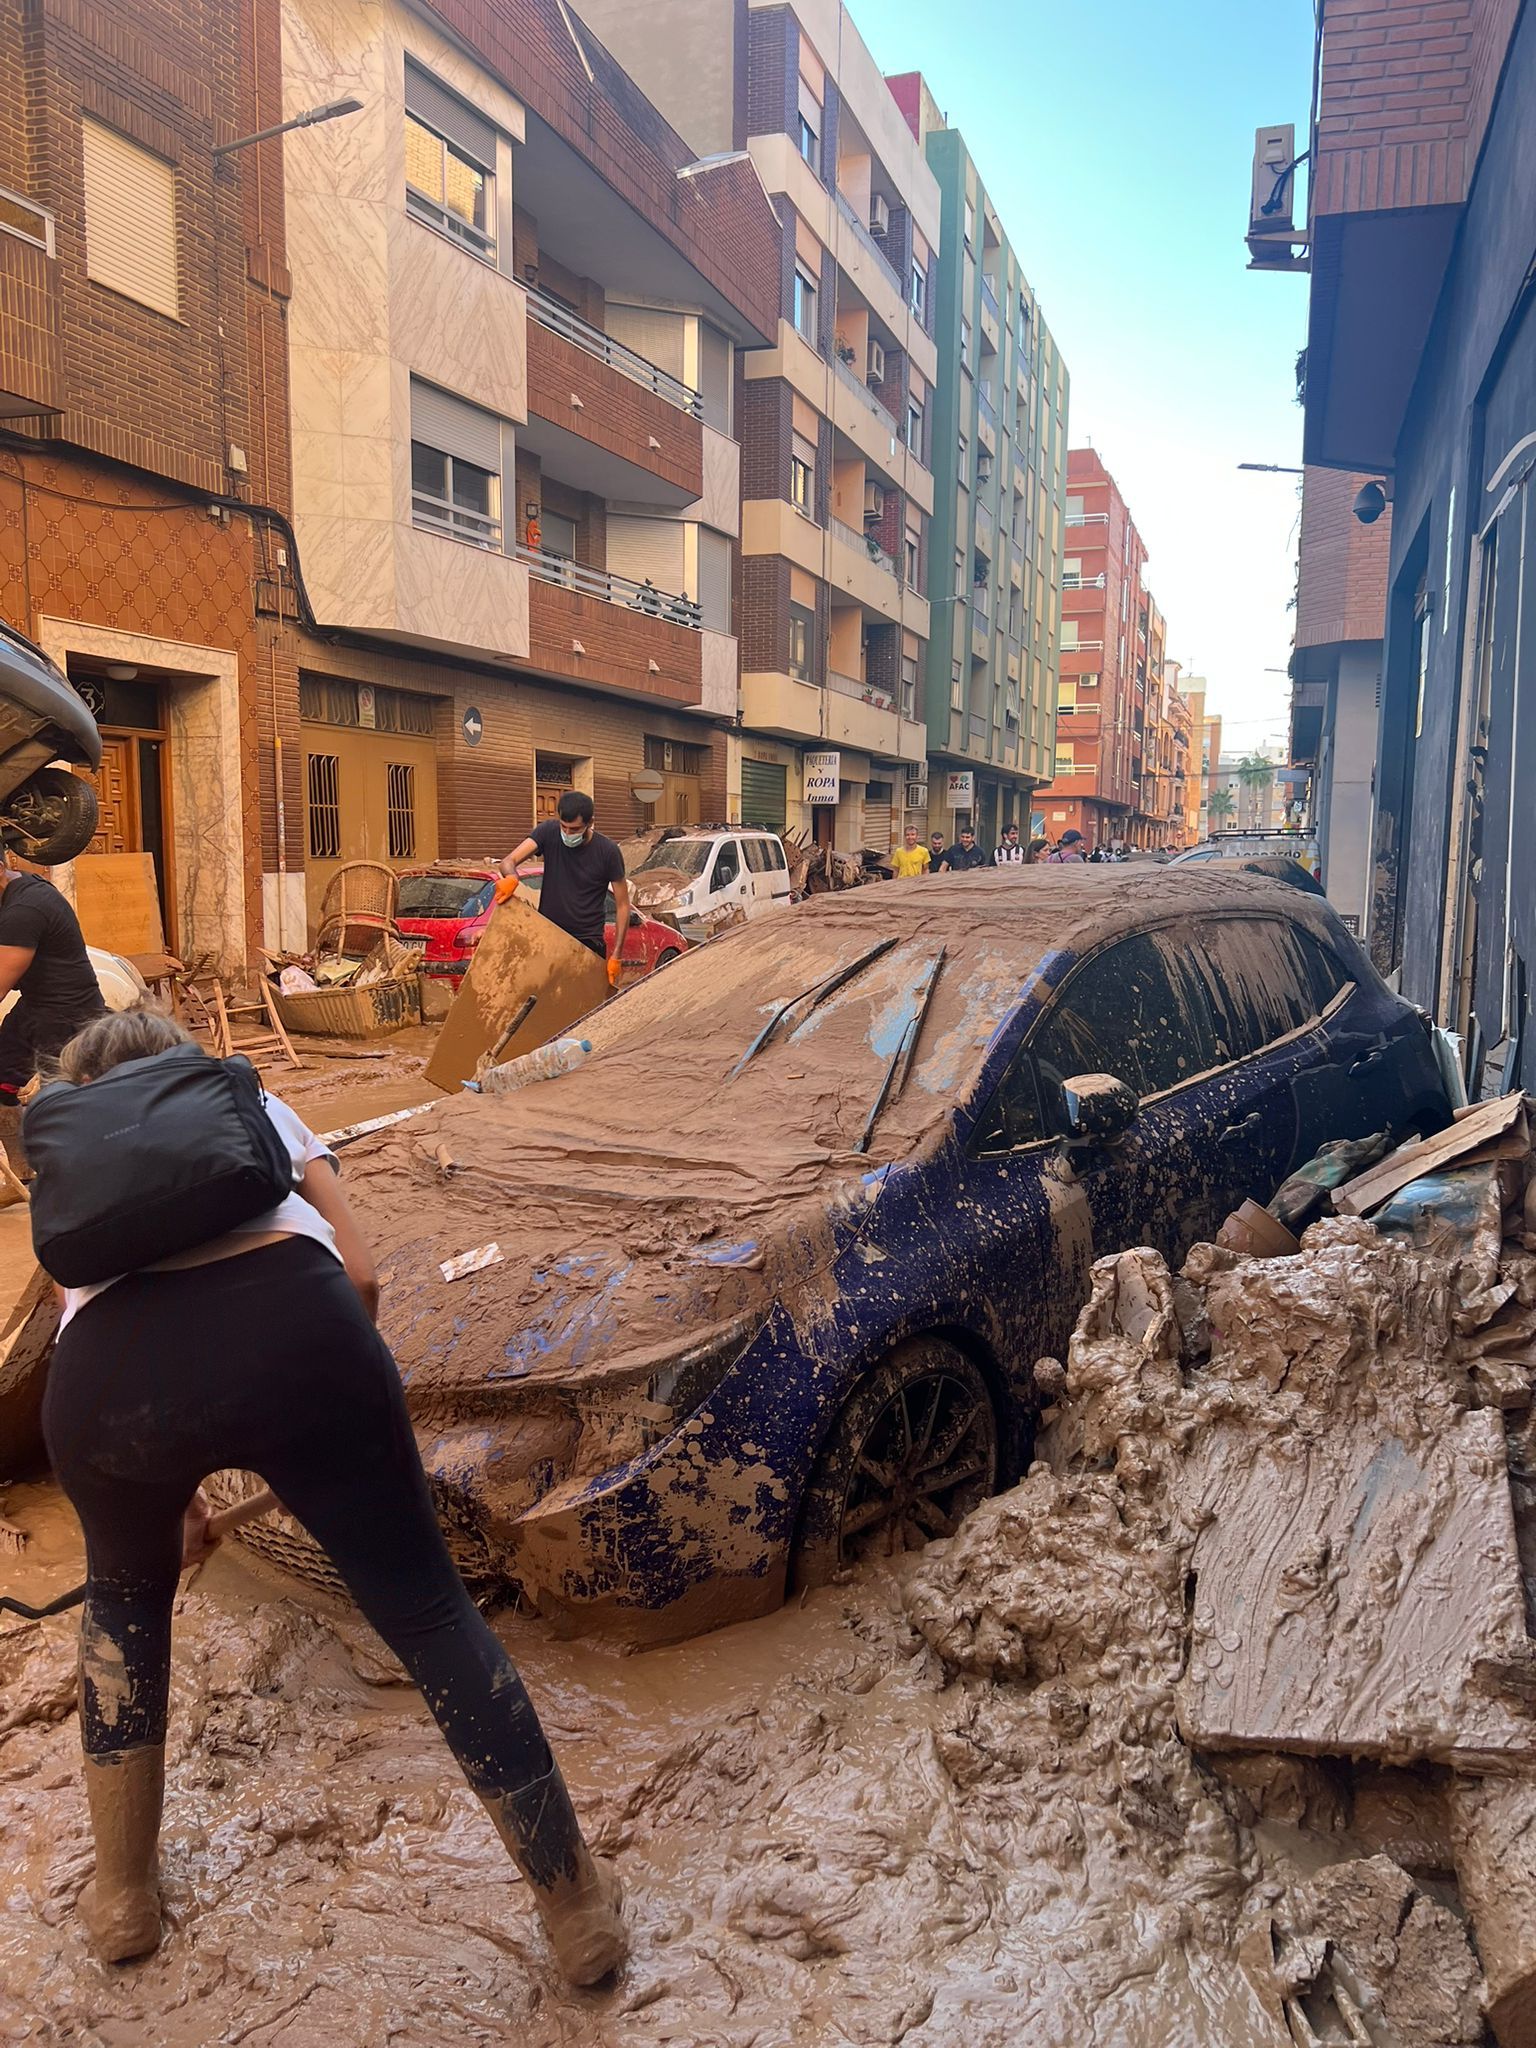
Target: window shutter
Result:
[455, 427]
[714, 592]
[130, 219]
[449, 115]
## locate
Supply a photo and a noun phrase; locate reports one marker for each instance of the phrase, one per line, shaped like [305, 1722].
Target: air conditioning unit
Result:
[876, 372]
[983, 465]
[879, 215]
[917, 796]
[874, 503]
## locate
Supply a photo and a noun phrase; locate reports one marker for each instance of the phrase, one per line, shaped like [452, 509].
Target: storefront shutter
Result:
[764, 794]
[877, 819]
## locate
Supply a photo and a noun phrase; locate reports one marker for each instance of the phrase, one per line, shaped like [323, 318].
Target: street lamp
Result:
[331, 111]
[1273, 468]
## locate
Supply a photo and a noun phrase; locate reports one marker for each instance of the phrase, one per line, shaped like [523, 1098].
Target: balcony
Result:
[610, 633]
[31, 366]
[989, 297]
[1074, 579]
[854, 686]
[1088, 519]
[856, 383]
[868, 241]
[864, 544]
[605, 420]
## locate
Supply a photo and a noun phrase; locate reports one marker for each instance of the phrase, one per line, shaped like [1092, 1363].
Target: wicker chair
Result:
[359, 904]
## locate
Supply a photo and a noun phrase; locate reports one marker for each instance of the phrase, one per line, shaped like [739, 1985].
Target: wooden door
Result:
[117, 797]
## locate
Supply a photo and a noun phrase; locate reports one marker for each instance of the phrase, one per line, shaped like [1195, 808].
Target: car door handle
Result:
[1367, 1059]
[1242, 1129]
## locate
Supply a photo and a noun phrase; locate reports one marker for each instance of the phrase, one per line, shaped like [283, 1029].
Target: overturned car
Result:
[763, 1283]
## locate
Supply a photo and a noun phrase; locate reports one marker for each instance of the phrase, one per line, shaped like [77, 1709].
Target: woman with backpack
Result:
[255, 1350]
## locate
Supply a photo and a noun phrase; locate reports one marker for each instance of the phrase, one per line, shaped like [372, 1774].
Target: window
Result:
[802, 476]
[450, 164]
[805, 304]
[1015, 611]
[1064, 761]
[1068, 633]
[809, 144]
[918, 293]
[909, 686]
[970, 224]
[400, 786]
[960, 575]
[1074, 511]
[963, 460]
[965, 344]
[1267, 980]
[325, 806]
[557, 535]
[756, 851]
[130, 219]
[1066, 694]
[914, 558]
[727, 866]
[455, 467]
[1138, 1010]
[801, 626]
[956, 687]
[915, 428]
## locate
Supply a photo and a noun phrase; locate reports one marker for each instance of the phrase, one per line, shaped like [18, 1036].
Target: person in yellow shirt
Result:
[910, 858]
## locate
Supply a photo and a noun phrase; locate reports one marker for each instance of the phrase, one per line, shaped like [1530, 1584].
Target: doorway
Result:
[132, 783]
[553, 775]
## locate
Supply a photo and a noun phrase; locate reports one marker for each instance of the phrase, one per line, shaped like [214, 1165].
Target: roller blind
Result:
[650, 332]
[714, 592]
[715, 369]
[449, 115]
[764, 795]
[455, 427]
[130, 219]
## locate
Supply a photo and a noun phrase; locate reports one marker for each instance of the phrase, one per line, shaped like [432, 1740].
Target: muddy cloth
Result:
[58, 992]
[264, 1362]
[576, 882]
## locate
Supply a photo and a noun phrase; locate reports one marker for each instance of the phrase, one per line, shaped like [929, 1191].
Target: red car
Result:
[449, 905]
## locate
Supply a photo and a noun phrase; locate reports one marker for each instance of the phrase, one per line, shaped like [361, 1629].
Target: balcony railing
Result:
[989, 297]
[639, 597]
[851, 215]
[864, 544]
[456, 522]
[1082, 647]
[985, 406]
[561, 320]
[1074, 579]
[1087, 519]
[856, 383]
[854, 686]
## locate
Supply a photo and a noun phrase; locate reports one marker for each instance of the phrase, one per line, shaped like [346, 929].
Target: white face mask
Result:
[577, 838]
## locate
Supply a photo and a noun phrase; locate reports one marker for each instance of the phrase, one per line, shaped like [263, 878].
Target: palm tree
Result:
[1221, 804]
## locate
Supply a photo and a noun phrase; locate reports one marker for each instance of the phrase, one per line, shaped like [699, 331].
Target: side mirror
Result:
[1099, 1106]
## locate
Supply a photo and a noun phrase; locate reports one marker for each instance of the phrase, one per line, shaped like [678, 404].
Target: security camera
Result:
[1370, 503]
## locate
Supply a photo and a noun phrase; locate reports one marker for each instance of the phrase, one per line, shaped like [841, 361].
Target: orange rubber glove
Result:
[614, 971]
[505, 889]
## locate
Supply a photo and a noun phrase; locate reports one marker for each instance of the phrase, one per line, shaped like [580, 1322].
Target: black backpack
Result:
[151, 1159]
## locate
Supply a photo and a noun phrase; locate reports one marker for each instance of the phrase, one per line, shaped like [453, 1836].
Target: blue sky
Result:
[1116, 142]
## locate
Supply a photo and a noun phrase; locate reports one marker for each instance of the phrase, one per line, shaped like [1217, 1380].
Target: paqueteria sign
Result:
[823, 778]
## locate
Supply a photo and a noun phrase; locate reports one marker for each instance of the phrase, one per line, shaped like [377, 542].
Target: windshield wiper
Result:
[817, 994]
[903, 1055]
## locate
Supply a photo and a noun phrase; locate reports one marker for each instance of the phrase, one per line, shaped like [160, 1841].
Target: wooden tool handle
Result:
[243, 1511]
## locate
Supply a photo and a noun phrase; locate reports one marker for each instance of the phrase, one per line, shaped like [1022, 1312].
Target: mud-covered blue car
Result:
[764, 1281]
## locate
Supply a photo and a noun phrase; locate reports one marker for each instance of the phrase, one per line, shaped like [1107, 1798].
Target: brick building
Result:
[1110, 629]
[142, 285]
[999, 463]
[518, 299]
[837, 416]
[1420, 373]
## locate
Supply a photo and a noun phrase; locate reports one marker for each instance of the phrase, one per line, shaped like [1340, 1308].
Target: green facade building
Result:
[1000, 472]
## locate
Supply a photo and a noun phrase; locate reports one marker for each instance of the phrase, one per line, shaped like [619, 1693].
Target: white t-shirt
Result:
[293, 1215]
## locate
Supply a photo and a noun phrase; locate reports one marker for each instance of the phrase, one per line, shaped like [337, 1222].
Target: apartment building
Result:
[1193, 691]
[1166, 756]
[518, 298]
[1108, 626]
[145, 475]
[999, 462]
[837, 415]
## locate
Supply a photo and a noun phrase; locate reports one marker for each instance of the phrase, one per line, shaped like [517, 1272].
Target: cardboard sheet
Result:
[521, 955]
[117, 902]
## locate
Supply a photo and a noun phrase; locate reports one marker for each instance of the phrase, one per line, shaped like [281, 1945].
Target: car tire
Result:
[665, 957]
[51, 817]
[914, 1449]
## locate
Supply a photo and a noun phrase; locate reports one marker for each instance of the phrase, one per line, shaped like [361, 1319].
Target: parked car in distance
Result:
[697, 874]
[790, 1241]
[449, 905]
[1280, 867]
[1298, 846]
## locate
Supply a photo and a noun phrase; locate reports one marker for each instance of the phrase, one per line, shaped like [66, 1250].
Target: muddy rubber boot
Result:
[120, 1907]
[577, 1894]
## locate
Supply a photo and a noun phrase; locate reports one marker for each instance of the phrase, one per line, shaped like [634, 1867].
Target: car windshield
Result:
[679, 856]
[443, 895]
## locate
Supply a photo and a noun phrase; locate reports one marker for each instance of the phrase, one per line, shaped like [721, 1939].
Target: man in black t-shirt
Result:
[580, 867]
[964, 855]
[42, 957]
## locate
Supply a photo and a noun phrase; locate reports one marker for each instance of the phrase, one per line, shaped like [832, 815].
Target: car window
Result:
[727, 866]
[683, 856]
[1138, 1010]
[775, 855]
[757, 855]
[1264, 982]
[1327, 972]
[443, 895]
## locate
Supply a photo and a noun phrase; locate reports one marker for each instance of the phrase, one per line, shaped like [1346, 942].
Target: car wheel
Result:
[913, 1451]
[51, 817]
[665, 957]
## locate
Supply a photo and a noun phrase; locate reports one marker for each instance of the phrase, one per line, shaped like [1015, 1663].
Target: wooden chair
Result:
[360, 902]
[207, 1008]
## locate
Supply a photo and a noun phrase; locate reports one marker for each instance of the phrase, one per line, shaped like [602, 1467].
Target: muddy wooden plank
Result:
[117, 902]
[521, 955]
[26, 1345]
[1351, 1597]
[1482, 1125]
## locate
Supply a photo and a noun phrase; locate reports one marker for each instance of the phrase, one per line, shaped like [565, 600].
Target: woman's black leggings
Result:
[265, 1362]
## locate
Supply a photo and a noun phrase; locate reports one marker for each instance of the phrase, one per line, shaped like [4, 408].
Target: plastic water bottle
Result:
[558, 1057]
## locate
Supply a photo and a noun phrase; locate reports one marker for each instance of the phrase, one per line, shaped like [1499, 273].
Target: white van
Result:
[716, 868]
